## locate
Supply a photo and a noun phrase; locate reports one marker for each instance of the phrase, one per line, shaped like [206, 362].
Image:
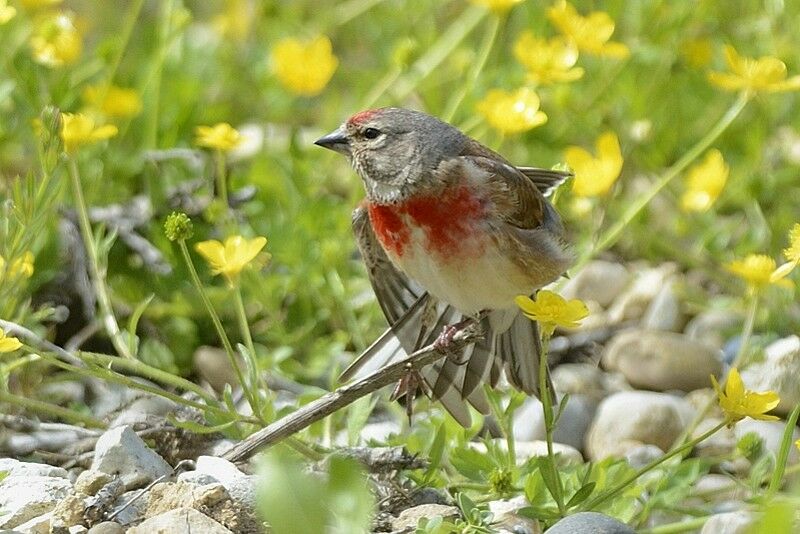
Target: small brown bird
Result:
[450, 230]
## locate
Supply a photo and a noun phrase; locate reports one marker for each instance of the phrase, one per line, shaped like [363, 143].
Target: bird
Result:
[450, 231]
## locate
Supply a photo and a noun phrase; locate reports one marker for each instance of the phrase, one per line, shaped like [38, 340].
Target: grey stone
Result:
[38, 525]
[133, 512]
[90, 482]
[144, 409]
[599, 281]
[119, 451]
[712, 327]
[214, 366]
[629, 419]
[16, 468]
[570, 428]
[526, 450]
[739, 522]
[77, 529]
[778, 372]
[662, 361]
[107, 527]
[179, 521]
[772, 434]
[409, 517]
[642, 455]
[721, 443]
[196, 479]
[587, 380]
[714, 487]
[68, 513]
[24, 497]
[664, 312]
[589, 523]
[633, 302]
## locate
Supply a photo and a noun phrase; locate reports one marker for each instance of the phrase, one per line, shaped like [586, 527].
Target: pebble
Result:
[90, 482]
[662, 361]
[14, 467]
[777, 372]
[771, 433]
[525, 450]
[713, 327]
[599, 281]
[570, 428]
[214, 366]
[739, 522]
[664, 312]
[24, 497]
[588, 380]
[634, 301]
[179, 520]
[409, 517]
[589, 522]
[119, 451]
[107, 527]
[629, 419]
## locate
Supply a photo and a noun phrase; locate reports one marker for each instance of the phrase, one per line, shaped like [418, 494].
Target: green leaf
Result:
[549, 475]
[349, 497]
[133, 323]
[581, 495]
[289, 498]
[436, 452]
[198, 428]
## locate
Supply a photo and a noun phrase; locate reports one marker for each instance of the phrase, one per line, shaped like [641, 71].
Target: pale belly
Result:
[476, 277]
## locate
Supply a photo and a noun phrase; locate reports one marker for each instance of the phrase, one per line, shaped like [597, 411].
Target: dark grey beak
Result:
[336, 141]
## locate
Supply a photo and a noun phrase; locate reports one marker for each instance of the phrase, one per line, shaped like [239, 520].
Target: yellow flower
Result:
[552, 310]
[78, 129]
[704, 182]
[19, 267]
[7, 12]
[738, 402]
[512, 112]
[235, 21]
[594, 176]
[55, 41]
[8, 343]
[766, 74]
[792, 253]
[547, 61]
[230, 258]
[498, 6]
[221, 136]
[304, 68]
[113, 101]
[590, 34]
[758, 271]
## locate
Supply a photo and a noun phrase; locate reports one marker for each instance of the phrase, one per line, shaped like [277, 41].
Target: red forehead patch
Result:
[362, 116]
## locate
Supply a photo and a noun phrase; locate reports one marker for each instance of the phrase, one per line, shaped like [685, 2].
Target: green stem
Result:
[52, 410]
[747, 333]
[450, 39]
[347, 11]
[222, 179]
[244, 329]
[612, 234]
[608, 494]
[483, 55]
[381, 87]
[226, 343]
[691, 525]
[783, 454]
[123, 40]
[103, 300]
[549, 423]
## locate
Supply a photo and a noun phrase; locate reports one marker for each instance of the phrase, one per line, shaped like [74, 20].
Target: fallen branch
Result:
[345, 395]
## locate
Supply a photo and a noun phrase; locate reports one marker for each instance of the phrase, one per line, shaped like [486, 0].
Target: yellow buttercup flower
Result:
[78, 129]
[235, 20]
[20, 267]
[547, 60]
[594, 176]
[704, 182]
[304, 68]
[552, 310]
[590, 34]
[230, 258]
[7, 12]
[221, 136]
[498, 6]
[738, 402]
[758, 271]
[114, 101]
[767, 74]
[513, 112]
[8, 343]
[55, 41]
[791, 253]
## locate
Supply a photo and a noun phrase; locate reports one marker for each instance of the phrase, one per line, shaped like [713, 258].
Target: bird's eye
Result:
[371, 133]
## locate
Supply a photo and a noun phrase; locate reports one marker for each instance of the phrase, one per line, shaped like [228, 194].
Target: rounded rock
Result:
[589, 522]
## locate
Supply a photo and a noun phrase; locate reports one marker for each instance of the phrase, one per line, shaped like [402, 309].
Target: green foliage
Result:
[292, 499]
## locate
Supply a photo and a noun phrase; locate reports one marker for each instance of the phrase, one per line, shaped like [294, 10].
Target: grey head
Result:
[394, 150]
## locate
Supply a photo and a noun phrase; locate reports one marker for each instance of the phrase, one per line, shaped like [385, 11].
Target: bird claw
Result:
[408, 386]
[444, 343]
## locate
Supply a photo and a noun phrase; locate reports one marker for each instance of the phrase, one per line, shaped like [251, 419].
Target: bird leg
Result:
[408, 386]
[445, 340]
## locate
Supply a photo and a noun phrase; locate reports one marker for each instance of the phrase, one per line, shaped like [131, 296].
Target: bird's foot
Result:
[444, 343]
[408, 386]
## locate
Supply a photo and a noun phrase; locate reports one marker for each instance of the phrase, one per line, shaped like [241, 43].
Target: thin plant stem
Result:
[103, 300]
[226, 343]
[52, 410]
[611, 236]
[783, 454]
[244, 328]
[549, 423]
[747, 333]
[483, 55]
[124, 38]
[222, 178]
[686, 447]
